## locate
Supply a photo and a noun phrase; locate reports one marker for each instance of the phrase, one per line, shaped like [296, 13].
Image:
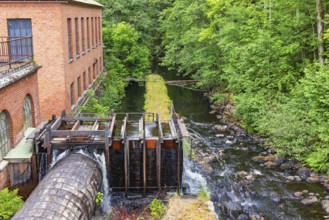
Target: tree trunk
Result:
[319, 18]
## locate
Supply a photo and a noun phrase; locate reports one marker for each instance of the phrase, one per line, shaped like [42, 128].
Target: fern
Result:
[319, 160]
[10, 203]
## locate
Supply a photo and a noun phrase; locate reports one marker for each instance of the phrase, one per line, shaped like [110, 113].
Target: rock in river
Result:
[325, 205]
[310, 200]
[303, 173]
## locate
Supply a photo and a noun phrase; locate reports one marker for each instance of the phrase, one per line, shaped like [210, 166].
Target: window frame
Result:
[5, 134]
[72, 95]
[83, 37]
[69, 39]
[77, 37]
[28, 112]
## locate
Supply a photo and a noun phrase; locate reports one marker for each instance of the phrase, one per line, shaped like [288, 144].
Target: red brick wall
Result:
[80, 64]
[12, 100]
[50, 43]
[4, 178]
[48, 51]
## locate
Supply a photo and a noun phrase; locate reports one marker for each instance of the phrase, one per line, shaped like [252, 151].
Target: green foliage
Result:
[203, 193]
[10, 203]
[319, 160]
[99, 198]
[125, 58]
[157, 208]
[128, 57]
[261, 52]
[142, 15]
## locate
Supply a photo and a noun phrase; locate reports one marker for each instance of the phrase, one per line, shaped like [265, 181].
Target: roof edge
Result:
[87, 2]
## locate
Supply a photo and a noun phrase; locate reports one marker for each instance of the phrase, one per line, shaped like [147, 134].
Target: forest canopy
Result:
[269, 54]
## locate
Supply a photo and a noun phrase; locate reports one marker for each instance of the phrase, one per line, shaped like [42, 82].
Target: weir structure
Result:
[142, 153]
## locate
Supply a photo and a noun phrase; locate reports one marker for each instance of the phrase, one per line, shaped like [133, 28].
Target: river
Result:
[269, 195]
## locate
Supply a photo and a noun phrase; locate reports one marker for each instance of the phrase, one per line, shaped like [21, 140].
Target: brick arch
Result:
[32, 107]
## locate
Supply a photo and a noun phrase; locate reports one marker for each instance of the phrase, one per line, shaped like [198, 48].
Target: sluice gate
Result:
[142, 153]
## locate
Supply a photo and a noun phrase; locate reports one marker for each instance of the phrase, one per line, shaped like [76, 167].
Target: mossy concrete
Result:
[156, 97]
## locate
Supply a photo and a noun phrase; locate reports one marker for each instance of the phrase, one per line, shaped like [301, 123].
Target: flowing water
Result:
[269, 195]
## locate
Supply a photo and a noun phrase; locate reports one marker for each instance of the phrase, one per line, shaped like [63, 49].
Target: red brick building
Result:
[54, 48]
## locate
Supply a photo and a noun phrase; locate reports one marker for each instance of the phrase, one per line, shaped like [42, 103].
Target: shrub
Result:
[203, 194]
[157, 208]
[10, 203]
[319, 160]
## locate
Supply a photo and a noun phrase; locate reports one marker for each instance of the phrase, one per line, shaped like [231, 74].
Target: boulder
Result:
[297, 178]
[312, 179]
[260, 159]
[303, 172]
[270, 164]
[220, 135]
[290, 178]
[242, 174]
[221, 127]
[298, 194]
[310, 200]
[286, 166]
[325, 205]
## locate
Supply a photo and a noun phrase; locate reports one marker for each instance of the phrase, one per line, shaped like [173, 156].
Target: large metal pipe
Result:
[68, 191]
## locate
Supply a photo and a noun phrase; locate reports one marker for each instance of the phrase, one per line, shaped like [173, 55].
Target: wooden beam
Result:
[144, 155]
[158, 153]
[107, 149]
[64, 133]
[76, 125]
[57, 123]
[48, 145]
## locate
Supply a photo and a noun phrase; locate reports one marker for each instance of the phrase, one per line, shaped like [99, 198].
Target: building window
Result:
[84, 81]
[79, 86]
[83, 35]
[100, 64]
[69, 38]
[89, 75]
[77, 42]
[94, 70]
[4, 134]
[72, 93]
[100, 30]
[96, 31]
[92, 32]
[27, 113]
[88, 34]
[20, 33]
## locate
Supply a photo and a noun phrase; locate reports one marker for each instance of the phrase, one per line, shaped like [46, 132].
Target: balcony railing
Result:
[15, 52]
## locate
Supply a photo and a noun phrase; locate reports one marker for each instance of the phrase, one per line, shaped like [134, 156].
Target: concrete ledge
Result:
[3, 165]
[23, 151]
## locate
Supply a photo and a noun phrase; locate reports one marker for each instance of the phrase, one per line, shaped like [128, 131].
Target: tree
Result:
[319, 17]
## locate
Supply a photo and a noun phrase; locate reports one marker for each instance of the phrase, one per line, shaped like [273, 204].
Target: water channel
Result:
[269, 195]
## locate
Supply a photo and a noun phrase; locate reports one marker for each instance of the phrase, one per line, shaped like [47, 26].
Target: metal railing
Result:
[15, 51]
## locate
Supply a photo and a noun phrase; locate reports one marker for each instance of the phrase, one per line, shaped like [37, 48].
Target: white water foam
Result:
[105, 189]
[57, 157]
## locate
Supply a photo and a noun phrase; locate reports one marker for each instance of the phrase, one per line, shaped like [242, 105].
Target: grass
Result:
[156, 97]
